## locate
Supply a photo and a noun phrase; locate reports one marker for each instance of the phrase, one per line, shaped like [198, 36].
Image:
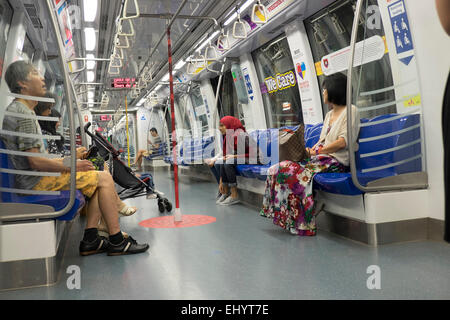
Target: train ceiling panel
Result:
[185, 34]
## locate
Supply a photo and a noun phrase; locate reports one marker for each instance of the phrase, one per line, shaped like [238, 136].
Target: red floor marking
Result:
[191, 220]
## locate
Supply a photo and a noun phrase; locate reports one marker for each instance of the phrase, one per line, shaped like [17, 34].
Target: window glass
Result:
[6, 14]
[184, 113]
[121, 137]
[278, 83]
[329, 30]
[228, 101]
[27, 50]
[200, 110]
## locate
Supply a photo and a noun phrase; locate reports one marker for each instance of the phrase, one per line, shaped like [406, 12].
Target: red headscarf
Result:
[232, 123]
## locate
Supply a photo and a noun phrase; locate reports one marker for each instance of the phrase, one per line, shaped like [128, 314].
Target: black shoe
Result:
[99, 245]
[127, 246]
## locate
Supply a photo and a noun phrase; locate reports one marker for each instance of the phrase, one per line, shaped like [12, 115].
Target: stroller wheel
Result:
[168, 205]
[161, 206]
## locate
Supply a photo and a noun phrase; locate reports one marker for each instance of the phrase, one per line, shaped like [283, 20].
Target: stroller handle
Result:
[101, 141]
[86, 128]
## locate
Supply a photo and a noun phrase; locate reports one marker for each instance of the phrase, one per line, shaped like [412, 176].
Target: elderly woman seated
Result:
[288, 197]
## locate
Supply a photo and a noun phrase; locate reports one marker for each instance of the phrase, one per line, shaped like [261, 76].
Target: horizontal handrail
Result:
[33, 98]
[372, 123]
[390, 165]
[30, 154]
[384, 151]
[390, 134]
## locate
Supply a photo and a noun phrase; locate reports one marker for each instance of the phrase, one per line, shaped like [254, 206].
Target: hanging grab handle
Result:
[113, 72]
[113, 62]
[125, 6]
[118, 43]
[118, 54]
[120, 28]
[77, 70]
[210, 54]
[190, 69]
[200, 61]
[259, 13]
[223, 42]
[238, 24]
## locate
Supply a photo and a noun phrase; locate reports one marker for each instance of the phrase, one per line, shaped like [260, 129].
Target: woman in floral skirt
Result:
[288, 197]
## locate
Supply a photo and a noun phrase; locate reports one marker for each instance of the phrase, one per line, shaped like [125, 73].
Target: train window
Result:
[200, 110]
[6, 14]
[329, 30]
[121, 136]
[28, 49]
[228, 101]
[184, 107]
[278, 83]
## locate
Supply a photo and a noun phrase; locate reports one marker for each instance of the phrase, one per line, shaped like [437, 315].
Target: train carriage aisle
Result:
[274, 150]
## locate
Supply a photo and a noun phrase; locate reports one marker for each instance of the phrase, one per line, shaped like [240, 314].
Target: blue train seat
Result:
[161, 151]
[371, 162]
[57, 202]
[193, 151]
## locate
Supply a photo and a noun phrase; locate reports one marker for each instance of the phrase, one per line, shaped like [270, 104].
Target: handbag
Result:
[292, 144]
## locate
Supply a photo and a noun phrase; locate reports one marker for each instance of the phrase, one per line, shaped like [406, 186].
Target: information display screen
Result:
[123, 82]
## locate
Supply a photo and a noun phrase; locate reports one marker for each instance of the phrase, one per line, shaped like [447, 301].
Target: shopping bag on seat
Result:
[292, 144]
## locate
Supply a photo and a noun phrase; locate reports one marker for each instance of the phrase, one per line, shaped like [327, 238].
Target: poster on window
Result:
[65, 28]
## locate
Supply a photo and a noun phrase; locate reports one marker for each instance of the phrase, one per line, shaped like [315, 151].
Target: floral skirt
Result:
[288, 198]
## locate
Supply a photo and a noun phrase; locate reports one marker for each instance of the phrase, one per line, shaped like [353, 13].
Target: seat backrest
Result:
[6, 179]
[312, 134]
[374, 153]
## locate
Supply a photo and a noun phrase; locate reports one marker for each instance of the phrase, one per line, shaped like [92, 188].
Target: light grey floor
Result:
[244, 256]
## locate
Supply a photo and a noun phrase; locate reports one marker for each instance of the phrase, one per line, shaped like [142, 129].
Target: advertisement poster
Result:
[66, 28]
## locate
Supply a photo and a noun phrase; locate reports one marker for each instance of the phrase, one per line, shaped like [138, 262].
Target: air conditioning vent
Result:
[33, 14]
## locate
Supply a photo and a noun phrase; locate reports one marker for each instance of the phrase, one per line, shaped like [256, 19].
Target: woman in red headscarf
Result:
[235, 148]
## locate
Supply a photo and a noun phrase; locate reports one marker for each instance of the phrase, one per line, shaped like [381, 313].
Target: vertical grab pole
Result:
[128, 138]
[178, 216]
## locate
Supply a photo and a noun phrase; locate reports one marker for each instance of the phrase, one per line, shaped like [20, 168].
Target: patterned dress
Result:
[288, 198]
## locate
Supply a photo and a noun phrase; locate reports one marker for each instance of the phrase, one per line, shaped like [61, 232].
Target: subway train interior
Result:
[146, 88]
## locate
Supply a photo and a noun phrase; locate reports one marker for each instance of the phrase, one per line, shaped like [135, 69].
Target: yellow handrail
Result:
[128, 137]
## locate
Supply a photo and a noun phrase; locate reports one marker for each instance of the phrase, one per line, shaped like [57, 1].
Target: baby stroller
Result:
[131, 186]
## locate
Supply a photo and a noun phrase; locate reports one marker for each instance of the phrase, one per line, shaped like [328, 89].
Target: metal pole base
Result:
[178, 216]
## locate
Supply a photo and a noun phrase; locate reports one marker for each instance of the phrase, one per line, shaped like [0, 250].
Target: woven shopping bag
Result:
[292, 144]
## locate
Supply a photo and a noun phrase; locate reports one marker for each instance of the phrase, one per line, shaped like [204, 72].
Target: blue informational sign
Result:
[401, 30]
[248, 83]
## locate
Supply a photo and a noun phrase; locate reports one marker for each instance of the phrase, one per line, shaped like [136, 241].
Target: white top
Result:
[338, 130]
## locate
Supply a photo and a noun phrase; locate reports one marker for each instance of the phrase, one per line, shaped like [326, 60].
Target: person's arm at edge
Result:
[443, 10]
[55, 165]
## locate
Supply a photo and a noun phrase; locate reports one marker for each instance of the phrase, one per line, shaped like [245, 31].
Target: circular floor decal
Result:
[191, 220]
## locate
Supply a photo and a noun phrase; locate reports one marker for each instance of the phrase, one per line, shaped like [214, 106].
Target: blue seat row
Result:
[386, 148]
[161, 151]
[194, 151]
[389, 145]
[264, 140]
[57, 202]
